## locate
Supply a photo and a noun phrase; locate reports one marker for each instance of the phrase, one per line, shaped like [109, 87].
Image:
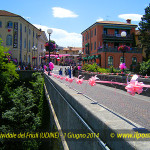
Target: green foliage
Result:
[7, 70]
[102, 70]
[92, 68]
[21, 104]
[145, 67]
[144, 27]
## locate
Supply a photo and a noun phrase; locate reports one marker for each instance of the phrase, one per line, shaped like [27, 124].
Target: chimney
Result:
[128, 21]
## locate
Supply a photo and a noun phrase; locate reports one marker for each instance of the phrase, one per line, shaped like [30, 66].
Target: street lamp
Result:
[34, 48]
[123, 34]
[49, 31]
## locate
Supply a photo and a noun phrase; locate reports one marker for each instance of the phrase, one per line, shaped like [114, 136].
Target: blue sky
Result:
[68, 18]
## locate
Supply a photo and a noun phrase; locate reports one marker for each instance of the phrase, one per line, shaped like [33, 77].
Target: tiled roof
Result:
[6, 13]
[114, 22]
[72, 48]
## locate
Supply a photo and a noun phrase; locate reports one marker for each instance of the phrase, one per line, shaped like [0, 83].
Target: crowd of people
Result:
[69, 71]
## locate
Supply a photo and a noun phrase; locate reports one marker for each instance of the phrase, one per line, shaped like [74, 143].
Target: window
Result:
[116, 31]
[24, 43]
[105, 31]
[95, 46]
[128, 32]
[0, 24]
[29, 59]
[91, 46]
[83, 38]
[9, 40]
[9, 24]
[29, 45]
[110, 60]
[33, 34]
[25, 29]
[29, 31]
[134, 61]
[88, 35]
[121, 59]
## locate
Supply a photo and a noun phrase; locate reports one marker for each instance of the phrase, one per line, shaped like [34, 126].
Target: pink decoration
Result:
[61, 77]
[146, 76]
[122, 66]
[45, 67]
[66, 78]
[51, 66]
[79, 67]
[91, 81]
[79, 81]
[58, 76]
[134, 86]
[70, 80]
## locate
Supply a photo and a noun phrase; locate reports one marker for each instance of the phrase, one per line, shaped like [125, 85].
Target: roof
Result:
[113, 24]
[6, 13]
[72, 48]
[9, 14]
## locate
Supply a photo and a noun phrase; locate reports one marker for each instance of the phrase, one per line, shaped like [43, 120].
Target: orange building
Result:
[101, 40]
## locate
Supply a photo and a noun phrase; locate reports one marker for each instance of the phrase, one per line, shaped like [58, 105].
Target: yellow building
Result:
[20, 36]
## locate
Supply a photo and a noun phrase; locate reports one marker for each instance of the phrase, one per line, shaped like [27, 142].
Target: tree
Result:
[144, 27]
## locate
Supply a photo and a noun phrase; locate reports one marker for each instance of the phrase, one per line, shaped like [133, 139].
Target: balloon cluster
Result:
[132, 87]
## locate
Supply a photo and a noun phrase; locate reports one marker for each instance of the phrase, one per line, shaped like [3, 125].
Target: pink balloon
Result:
[122, 66]
[70, 80]
[134, 86]
[51, 65]
[92, 80]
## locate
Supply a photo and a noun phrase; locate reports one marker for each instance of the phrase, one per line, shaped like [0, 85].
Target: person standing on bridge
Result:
[60, 71]
[69, 71]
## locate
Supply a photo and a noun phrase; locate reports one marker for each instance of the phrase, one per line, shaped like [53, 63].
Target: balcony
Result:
[115, 50]
[116, 37]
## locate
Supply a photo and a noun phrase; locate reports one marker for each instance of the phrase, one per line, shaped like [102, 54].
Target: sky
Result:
[68, 18]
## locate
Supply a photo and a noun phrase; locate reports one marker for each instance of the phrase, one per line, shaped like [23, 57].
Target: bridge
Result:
[97, 117]
[94, 118]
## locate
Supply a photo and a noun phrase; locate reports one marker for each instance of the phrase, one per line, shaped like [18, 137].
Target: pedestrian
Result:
[60, 71]
[69, 72]
[65, 72]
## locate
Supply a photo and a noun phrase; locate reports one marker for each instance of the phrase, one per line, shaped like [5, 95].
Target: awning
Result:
[87, 44]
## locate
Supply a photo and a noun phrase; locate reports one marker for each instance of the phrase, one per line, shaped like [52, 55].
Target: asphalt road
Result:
[135, 108]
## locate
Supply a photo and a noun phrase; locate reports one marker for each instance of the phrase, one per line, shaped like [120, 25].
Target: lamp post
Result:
[123, 34]
[49, 31]
[34, 48]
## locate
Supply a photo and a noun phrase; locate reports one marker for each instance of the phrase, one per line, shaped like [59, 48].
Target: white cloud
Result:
[133, 17]
[62, 37]
[100, 19]
[59, 12]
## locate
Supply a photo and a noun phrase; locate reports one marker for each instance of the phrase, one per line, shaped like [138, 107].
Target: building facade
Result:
[70, 55]
[20, 37]
[101, 40]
